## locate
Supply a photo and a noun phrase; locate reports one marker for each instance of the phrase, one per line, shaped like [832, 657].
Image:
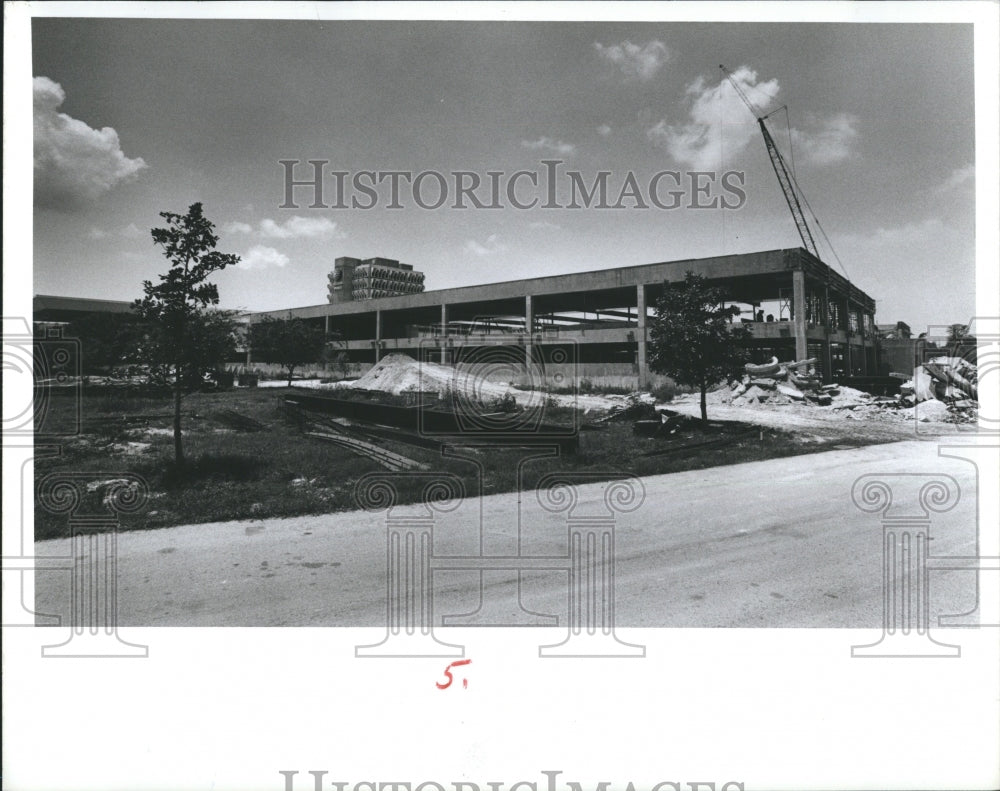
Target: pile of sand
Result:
[399, 373]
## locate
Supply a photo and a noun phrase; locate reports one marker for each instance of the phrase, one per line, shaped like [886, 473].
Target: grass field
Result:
[247, 458]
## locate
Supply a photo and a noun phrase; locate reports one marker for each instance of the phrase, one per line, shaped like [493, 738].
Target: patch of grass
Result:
[278, 472]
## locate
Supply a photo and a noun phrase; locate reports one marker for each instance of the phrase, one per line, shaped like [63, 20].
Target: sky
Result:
[136, 117]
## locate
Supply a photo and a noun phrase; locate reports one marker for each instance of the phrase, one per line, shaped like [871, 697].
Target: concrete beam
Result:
[769, 262]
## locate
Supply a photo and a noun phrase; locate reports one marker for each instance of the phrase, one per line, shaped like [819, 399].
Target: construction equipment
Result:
[785, 178]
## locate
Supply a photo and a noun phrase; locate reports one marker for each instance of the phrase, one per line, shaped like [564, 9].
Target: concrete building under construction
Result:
[593, 325]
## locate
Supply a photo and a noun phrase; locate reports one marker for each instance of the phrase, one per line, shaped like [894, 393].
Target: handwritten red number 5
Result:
[447, 672]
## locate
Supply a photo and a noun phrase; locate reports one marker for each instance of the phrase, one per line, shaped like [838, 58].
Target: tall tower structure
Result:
[353, 279]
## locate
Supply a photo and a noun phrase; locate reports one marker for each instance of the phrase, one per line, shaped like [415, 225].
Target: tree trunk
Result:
[704, 403]
[290, 369]
[178, 447]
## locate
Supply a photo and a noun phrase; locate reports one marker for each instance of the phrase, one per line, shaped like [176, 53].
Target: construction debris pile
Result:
[953, 380]
[943, 389]
[784, 383]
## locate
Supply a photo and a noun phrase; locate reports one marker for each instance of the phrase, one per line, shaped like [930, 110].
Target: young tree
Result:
[288, 342]
[174, 308]
[691, 338]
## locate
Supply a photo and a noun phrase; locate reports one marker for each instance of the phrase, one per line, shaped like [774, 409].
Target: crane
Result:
[785, 179]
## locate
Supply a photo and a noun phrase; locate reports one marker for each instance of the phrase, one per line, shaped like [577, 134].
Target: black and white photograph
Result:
[501, 396]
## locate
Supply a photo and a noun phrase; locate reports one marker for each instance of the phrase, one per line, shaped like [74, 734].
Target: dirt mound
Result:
[399, 373]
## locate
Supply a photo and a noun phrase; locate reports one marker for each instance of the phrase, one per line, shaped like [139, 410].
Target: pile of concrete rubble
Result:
[941, 389]
[783, 383]
[953, 380]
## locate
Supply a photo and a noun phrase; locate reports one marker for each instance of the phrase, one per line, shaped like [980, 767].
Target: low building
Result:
[593, 325]
[897, 331]
[55, 311]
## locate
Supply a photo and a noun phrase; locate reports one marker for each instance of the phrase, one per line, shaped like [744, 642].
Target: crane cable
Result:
[722, 162]
[762, 117]
[805, 200]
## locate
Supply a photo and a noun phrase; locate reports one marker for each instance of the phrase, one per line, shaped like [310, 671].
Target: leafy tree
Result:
[956, 333]
[691, 339]
[181, 337]
[212, 339]
[962, 343]
[288, 342]
[105, 340]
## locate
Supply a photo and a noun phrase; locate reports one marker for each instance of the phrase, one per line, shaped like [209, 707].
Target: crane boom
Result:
[780, 170]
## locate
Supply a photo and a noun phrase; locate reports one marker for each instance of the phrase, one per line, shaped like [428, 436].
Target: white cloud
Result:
[720, 126]
[73, 162]
[492, 245]
[301, 227]
[958, 177]
[237, 227]
[548, 144]
[261, 257]
[544, 224]
[829, 140]
[96, 233]
[131, 231]
[635, 61]
[604, 130]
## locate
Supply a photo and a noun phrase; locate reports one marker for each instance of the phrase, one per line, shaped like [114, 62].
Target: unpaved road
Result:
[823, 422]
[775, 543]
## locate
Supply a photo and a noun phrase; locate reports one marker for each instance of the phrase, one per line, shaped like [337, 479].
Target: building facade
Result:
[593, 325]
[354, 280]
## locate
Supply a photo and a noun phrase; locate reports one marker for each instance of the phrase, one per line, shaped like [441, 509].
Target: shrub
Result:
[665, 392]
[504, 403]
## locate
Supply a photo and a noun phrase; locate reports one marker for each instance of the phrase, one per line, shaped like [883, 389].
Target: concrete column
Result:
[444, 335]
[799, 313]
[848, 362]
[378, 335]
[827, 330]
[640, 335]
[529, 324]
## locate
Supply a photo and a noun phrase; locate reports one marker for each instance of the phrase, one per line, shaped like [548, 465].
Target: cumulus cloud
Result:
[828, 140]
[548, 144]
[74, 163]
[720, 127]
[300, 227]
[635, 61]
[491, 246]
[544, 225]
[97, 233]
[261, 257]
[131, 231]
[604, 130]
[237, 227]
